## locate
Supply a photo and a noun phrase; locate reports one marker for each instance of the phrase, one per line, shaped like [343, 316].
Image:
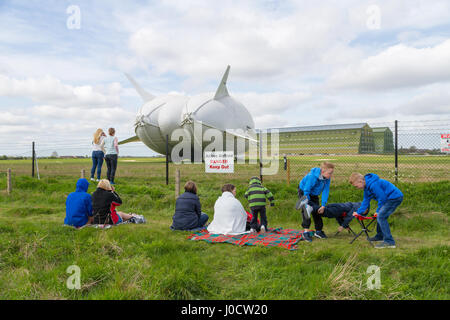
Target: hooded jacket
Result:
[187, 212]
[78, 205]
[313, 184]
[256, 193]
[378, 189]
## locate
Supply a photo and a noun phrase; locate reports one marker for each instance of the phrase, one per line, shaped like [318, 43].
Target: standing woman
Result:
[98, 153]
[111, 154]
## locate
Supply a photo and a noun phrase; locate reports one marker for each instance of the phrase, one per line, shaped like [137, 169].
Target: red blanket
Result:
[285, 238]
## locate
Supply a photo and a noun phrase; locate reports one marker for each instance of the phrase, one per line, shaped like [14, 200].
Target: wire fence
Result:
[399, 151]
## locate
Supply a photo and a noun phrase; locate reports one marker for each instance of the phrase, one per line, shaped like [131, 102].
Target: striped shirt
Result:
[257, 194]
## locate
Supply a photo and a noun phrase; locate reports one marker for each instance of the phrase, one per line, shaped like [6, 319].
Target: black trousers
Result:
[314, 201]
[255, 211]
[111, 164]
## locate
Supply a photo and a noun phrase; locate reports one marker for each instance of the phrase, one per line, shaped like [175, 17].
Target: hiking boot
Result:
[320, 234]
[375, 239]
[383, 245]
[306, 236]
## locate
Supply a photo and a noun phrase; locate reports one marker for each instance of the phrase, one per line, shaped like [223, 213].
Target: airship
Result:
[160, 116]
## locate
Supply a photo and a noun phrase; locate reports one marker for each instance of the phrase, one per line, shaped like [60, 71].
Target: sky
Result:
[293, 63]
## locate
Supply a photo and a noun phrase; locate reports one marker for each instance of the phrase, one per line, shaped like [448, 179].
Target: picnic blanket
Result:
[279, 237]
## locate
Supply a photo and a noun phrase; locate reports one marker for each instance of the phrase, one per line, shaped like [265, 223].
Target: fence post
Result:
[33, 155]
[396, 151]
[83, 173]
[260, 156]
[8, 182]
[167, 160]
[288, 171]
[177, 183]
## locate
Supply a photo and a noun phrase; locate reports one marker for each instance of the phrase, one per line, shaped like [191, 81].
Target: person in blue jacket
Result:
[79, 206]
[388, 196]
[315, 183]
[342, 212]
[188, 210]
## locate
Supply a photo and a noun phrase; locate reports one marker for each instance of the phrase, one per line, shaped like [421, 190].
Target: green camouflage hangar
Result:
[354, 138]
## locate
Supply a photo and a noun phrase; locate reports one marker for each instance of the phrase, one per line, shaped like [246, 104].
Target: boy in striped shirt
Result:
[256, 195]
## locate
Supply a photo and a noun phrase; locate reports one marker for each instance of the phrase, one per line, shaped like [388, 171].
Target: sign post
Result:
[445, 142]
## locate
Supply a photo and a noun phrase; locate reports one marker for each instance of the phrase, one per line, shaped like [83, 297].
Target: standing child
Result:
[256, 195]
[315, 183]
[388, 196]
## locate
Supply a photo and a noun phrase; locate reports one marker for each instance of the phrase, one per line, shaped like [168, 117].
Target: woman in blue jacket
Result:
[79, 205]
[188, 210]
[388, 196]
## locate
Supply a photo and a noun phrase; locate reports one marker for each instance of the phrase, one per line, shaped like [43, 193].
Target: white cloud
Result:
[396, 67]
[50, 90]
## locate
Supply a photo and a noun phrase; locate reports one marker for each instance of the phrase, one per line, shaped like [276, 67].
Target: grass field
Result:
[151, 262]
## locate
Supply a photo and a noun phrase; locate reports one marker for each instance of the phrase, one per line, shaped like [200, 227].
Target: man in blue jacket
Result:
[388, 196]
[315, 183]
[79, 205]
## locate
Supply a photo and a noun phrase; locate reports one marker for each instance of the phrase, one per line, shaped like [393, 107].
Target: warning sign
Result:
[445, 142]
[219, 162]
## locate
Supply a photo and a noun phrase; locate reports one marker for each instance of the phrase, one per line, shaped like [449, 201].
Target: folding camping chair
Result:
[365, 227]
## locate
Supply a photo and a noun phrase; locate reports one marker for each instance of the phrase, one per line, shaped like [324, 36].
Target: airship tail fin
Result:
[222, 89]
[144, 94]
[132, 139]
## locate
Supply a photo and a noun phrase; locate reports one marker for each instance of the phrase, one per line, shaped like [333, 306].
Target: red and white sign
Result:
[445, 142]
[219, 162]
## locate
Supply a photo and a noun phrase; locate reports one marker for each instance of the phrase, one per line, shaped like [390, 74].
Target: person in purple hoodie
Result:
[388, 196]
[79, 206]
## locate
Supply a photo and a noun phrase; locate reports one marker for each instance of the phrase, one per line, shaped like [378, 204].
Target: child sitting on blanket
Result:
[256, 195]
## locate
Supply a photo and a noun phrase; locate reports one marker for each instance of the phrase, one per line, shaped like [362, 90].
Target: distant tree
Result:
[54, 154]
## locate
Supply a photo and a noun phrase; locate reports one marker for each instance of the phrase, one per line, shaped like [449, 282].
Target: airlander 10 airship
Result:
[160, 116]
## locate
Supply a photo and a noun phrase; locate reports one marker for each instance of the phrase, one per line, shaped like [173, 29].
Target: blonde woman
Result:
[98, 153]
[104, 203]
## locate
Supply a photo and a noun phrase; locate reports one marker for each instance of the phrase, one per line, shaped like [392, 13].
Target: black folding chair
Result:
[365, 223]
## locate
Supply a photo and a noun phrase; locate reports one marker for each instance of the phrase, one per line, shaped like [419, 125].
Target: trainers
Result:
[375, 239]
[252, 230]
[263, 229]
[308, 209]
[306, 236]
[384, 245]
[92, 179]
[301, 202]
[320, 234]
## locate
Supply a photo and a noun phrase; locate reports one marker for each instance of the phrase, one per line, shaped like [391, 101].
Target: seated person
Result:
[79, 206]
[188, 210]
[343, 212]
[104, 203]
[229, 214]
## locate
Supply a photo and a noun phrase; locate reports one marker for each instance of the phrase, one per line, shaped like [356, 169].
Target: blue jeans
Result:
[97, 161]
[202, 220]
[383, 230]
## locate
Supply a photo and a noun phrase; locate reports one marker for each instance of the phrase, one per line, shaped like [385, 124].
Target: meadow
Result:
[152, 262]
